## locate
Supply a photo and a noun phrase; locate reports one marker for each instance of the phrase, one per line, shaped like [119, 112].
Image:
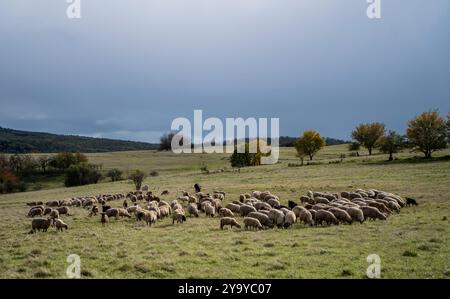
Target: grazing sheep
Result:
[53, 214]
[150, 217]
[326, 216]
[164, 211]
[277, 217]
[306, 199]
[63, 210]
[355, 213]
[263, 218]
[291, 204]
[178, 216]
[34, 203]
[125, 204]
[321, 200]
[273, 202]
[35, 211]
[197, 188]
[298, 209]
[306, 216]
[133, 209]
[341, 215]
[250, 223]
[112, 213]
[224, 212]
[229, 221]
[93, 211]
[165, 192]
[53, 203]
[210, 210]
[284, 210]
[59, 224]
[262, 206]
[123, 213]
[380, 206]
[411, 201]
[313, 214]
[245, 209]
[104, 218]
[289, 219]
[192, 209]
[40, 224]
[394, 206]
[372, 213]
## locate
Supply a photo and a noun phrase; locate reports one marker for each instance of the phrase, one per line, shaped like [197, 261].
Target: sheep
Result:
[224, 212]
[34, 203]
[284, 210]
[52, 203]
[245, 209]
[164, 211]
[112, 213]
[411, 201]
[125, 204]
[341, 215]
[326, 216]
[144, 188]
[306, 217]
[165, 192]
[178, 216]
[210, 210]
[298, 209]
[204, 204]
[229, 221]
[355, 213]
[59, 224]
[93, 211]
[380, 206]
[197, 188]
[372, 213]
[291, 204]
[133, 209]
[306, 199]
[273, 202]
[262, 206]
[313, 214]
[353, 195]
[289, 219]
[35, 211]
[250, 223]
[394, 206]
[322, 200]
[123, 213]
[63, 210]
[53, 214]
[263, 218]
[277, 217]
[192, 209]
[150, 217]
[47, 211]
[104, 218]
[40, 224]
[217, 204]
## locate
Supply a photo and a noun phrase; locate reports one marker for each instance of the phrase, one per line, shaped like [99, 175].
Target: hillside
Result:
[15, 141]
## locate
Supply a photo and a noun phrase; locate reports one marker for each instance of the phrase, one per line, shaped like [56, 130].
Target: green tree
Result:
[354, 147]
[114, 174]
[137, 177]
[82, 174]
[391, 144]
[368, 135]
[427, 133]
[309, 143]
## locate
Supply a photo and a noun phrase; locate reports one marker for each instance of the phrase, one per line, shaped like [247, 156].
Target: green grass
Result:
[412, 244]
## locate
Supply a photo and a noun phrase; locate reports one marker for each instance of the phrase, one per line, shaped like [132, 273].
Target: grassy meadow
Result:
[412, 244]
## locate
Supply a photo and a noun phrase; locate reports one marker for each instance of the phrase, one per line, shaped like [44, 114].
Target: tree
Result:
[354, 147]
[114, 174]
[137, 177]
[241, 159]
[82, 174]
[427, 133]
[43, 163]
[309, 143]
[391, 143]
[368, 135]
[166, 142]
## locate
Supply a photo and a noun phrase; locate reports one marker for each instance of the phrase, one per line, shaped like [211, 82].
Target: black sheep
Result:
[411, 202]
[197, 188]
[105, 208]
[291, 204]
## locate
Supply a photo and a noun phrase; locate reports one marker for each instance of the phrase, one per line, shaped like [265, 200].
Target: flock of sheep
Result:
[259, 209]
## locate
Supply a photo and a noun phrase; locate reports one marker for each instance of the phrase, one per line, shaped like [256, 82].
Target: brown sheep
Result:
[178, 216]
[245, 209]
[355, 213]
[250, 223]
[341, 215]
[150, 217]
[263, 218]
[35, 211]
[63, 210]
[224, 212]
[229, 221]
[53, 214]
[93, 211]
[40, 224]
[306, 217]
[277, 217]
[326, 216]
[289, 219]
[210, 210]
[372, 213]
[112, 213]
[192, 209]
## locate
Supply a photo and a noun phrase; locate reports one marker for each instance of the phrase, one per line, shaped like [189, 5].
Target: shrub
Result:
[82, 174]
[137, 177]
[115, 174]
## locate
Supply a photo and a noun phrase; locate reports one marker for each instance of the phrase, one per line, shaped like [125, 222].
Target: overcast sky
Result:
[127, 68]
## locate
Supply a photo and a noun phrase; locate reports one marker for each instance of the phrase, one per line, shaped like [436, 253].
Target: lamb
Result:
[251, 223]
[59, 224]
[229, 221]
[277, 217]
[263, 218]
[192, 209]
[306, 217]
[372, 213]
[35, 211]
[93, 211]
[289, 219]
[178, 216]
[104, 218]
[210, 210]
[245, 209]
[63, 210]
[411, 201]
[326, 216]
[150, 217]
[40, 224]
[224, 212]
[355, 213]
[341, 215]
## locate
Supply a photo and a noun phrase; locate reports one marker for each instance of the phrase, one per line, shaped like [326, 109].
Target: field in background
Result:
[412, 244]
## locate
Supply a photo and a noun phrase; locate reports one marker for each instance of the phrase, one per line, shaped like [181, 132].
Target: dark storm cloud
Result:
[127, 68]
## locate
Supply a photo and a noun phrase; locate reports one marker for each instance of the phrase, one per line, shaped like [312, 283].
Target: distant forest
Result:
[290, 141]
[15, 141]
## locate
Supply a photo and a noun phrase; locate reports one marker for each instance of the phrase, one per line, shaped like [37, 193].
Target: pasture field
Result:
[412, 244]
